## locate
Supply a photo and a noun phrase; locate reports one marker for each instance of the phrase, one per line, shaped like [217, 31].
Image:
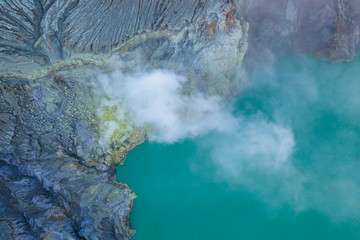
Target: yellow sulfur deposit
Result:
[117, 134]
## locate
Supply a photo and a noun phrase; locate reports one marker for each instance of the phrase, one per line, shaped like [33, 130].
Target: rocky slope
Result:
[327, 29]
[57, 181]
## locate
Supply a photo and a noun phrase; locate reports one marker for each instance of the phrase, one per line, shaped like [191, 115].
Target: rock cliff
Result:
[327, 29]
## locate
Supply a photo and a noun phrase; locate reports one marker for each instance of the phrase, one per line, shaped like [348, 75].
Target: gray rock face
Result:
[47, 190]
[39, 208]
[56, 181]
[55, 34]
[327, 29]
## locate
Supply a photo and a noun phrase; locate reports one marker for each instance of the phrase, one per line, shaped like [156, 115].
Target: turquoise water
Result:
[185, 193]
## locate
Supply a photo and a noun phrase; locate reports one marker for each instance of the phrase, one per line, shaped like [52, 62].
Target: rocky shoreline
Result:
[57, 181]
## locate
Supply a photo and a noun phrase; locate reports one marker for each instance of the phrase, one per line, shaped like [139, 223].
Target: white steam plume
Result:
[154, 100]
[255, 151]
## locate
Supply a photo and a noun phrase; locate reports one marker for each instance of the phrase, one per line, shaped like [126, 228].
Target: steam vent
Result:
[83, 83]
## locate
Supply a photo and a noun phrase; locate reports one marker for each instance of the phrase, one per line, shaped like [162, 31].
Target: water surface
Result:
[183, 195]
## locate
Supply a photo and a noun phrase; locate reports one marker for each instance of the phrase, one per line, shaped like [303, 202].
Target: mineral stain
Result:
[177, 199]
